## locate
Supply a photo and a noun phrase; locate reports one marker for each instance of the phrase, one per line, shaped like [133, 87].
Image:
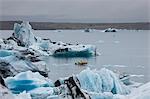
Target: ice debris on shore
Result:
[87, 84]
[23, 39]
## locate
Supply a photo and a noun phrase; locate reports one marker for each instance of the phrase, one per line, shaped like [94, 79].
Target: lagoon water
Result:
[125, 51]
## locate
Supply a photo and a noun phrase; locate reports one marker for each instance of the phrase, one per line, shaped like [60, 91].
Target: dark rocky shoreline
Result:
[8, 25]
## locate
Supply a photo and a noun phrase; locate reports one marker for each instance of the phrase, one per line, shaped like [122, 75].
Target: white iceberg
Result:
[24, 34]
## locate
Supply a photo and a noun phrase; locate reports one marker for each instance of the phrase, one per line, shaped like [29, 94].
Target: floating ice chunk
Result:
[101, 81]
[23, 95]
[109, 65]
[13, 62]
[55, 97]
[6, 94]
[143, 92]
[23, 37]
[75, 50]
[24, 34]
[27, 81]
[110, 30]
[90, 81]
[41, 92]
[7, 44]
[105, 95]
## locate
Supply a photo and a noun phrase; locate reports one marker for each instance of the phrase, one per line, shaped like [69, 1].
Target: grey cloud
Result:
[77, 10]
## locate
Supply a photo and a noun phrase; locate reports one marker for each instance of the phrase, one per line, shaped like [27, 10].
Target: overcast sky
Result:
[76, 10]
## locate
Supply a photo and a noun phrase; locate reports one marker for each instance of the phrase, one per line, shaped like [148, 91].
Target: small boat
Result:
[81, 63]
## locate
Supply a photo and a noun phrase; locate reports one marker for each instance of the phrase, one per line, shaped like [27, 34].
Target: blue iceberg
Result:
[88, 84]
[101, 81]
[24, 37]
[27, 81]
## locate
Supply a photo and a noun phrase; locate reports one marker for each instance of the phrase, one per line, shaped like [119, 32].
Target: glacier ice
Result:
[6, 94]
[27, 81]
[23, 38]
[101, 81]
[88, 84]
[102, 84]
[24, 33]
[143, 92]
[13, 62]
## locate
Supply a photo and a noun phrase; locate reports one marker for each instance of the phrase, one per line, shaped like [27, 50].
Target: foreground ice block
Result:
[101, 81]
[88, 84]
[6, 94]
[27, 81]
[12, 63]
[93, 84]
[143, 92]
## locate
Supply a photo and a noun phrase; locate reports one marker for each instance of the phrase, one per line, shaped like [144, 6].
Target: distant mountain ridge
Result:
[8, 25]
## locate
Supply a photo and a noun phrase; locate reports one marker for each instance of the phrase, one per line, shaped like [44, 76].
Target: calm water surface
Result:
[123, 51]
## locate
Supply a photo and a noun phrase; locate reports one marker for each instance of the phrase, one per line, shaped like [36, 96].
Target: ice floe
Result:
[110, 65]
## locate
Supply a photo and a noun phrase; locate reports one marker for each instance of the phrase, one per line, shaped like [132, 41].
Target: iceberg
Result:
[110, 30]
[101, 81]
[27, 81]
[6, 94]
[24, 39]
[74, 50]
[88, 84]
[23, 33]
[13, 62]
[92, 84]
[142, 92]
